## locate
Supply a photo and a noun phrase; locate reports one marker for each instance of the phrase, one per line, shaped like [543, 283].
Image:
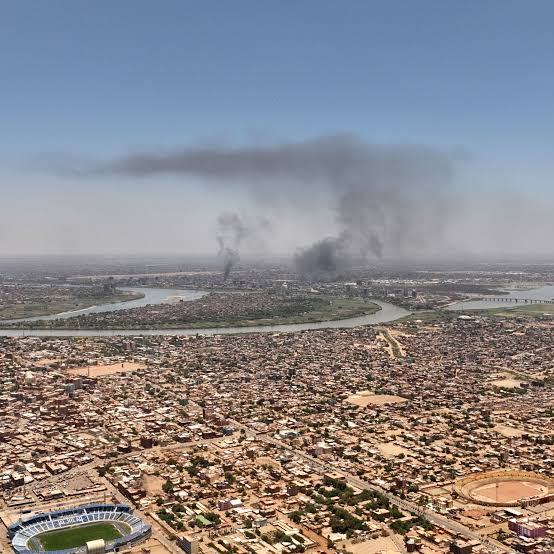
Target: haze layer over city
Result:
[276, 277]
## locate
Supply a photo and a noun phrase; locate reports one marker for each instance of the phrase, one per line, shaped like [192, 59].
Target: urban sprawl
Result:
[427, 436]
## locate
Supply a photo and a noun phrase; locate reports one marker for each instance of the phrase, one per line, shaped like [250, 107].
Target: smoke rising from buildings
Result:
[386, 199]
[230, 233]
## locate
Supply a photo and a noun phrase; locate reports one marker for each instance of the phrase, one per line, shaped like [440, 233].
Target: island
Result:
[38, 300]
[218, 310]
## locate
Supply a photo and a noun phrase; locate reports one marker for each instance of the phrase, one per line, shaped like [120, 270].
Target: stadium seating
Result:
[22, 532]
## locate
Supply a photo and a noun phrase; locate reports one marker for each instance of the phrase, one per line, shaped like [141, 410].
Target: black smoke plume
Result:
[231, 232]
[388, 199]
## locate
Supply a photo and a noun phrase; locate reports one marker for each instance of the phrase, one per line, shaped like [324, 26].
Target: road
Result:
[439, 520]
[436, 519]
[158, 532]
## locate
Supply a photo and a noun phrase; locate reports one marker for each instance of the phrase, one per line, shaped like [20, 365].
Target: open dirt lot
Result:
[507, 431]
[103, 370]
[391, 450]
[152, 484]
[507, 383]
[364, 398]
[45, 361]
[382, 544]
[151, 546]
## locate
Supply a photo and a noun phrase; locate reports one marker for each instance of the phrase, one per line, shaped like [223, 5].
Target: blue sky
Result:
[100, 79]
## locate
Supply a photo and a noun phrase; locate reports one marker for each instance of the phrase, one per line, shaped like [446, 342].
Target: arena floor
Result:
[507, 491]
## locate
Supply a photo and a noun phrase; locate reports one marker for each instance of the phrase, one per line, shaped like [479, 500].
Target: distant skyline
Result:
[87, 83]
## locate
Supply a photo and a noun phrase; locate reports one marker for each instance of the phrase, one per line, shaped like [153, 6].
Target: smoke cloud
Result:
[386, 199]
[231, 232]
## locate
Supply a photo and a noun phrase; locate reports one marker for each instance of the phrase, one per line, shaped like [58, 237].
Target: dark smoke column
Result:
[231, 231]
[388, 200]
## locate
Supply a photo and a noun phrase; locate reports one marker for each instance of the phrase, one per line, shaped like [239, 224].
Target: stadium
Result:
[94, 527]
[505, 488]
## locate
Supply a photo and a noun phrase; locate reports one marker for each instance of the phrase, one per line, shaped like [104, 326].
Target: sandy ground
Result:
[103, 370]
[382, 544]
[265, 460]
[152, 484]
[45, 361]
[436, 491]
[151, 545]
[364, 398]
[88, 437]
[508, 491]
[475, 513]
[389, 341]
[395, 334]
[507, 431]
[387, 347]
[507, 383]
[371, 346]
[390, 450]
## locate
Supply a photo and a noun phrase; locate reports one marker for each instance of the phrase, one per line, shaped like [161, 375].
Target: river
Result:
[151, 296]
[388, 312]
[545, 292]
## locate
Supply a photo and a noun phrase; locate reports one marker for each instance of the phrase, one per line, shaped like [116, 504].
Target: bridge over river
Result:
[516, 300]
[537, 295]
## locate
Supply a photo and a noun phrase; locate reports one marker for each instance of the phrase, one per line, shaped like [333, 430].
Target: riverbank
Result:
[341, 309]
[387, 313]
[46, 307]
[531, 311]
[217, 311]
[527, 310]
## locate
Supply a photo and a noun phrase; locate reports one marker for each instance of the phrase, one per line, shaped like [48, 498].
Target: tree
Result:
[296, 516]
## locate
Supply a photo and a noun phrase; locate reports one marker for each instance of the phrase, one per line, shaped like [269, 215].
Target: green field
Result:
[45, 305]
[79, 535]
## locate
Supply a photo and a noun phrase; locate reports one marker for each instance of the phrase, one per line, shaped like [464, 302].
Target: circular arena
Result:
[74, 529]
[504, 488]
